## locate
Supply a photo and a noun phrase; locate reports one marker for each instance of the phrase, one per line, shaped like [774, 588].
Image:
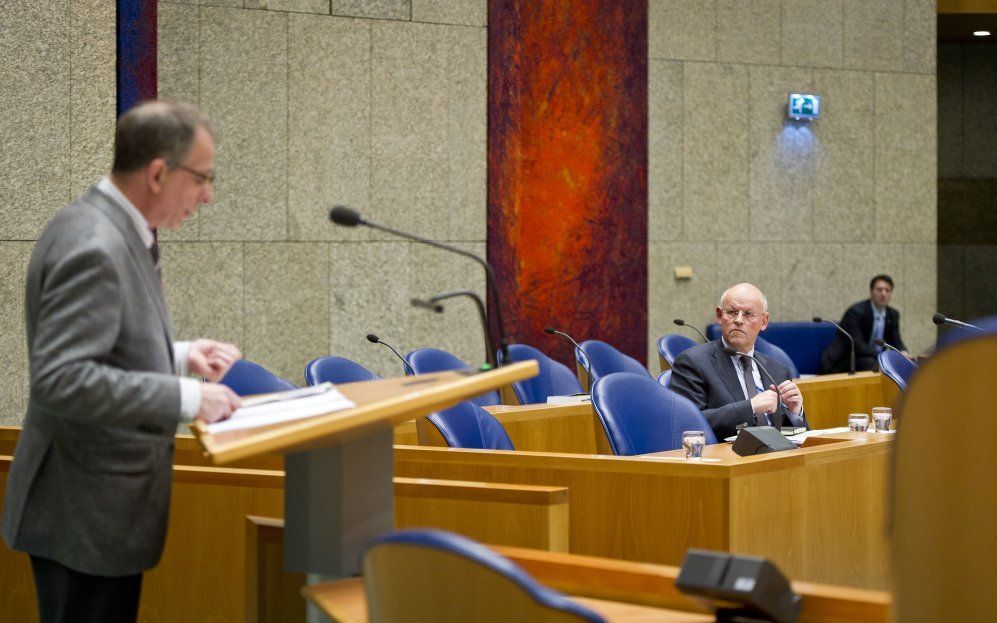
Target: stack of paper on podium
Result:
[280, 407]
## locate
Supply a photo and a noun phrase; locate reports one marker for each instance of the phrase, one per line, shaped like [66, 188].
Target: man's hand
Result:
[211, 359]
[217, 403]
[791, 396]
[765, 402]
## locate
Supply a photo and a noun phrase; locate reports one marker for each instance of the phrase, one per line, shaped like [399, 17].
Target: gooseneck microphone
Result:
[434, 304]
[683, 323]
[584, 360]
[882, 344]
[851, 340]
[940, 319]
[376, 340]
[733, 352]
[348, 217]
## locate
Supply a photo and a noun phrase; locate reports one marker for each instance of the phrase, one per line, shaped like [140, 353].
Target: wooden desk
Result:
[829, 398]
[817, 512]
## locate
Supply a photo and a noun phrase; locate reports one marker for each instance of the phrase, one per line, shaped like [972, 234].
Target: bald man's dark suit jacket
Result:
[705, 375]
[89, 486]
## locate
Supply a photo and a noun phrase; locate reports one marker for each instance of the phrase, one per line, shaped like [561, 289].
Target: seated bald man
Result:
[732, 391]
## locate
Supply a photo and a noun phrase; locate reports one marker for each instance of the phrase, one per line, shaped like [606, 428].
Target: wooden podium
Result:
[339, 466]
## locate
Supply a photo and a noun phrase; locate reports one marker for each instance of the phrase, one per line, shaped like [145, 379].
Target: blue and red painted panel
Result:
[567, 169]
[136, 51]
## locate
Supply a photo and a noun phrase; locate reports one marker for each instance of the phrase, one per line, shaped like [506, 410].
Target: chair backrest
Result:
[604, 359]
[467, 425]
[428, 360]
[332, 369]
[803, 341]
[669, 346]
[431, 575]
[641, 416]
[896, 367]
[247, 378]
[554, 379]
[765, 347]
[665, 378]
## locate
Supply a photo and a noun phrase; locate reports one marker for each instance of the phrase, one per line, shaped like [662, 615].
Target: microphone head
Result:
[730, 351]
[347, 217]
[550, 330]
[879, 342]
[373, 338]
[679, 322]
[938, 319]
[818, 319]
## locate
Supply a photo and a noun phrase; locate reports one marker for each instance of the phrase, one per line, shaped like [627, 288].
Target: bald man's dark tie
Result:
[154, 252]
[749, 387]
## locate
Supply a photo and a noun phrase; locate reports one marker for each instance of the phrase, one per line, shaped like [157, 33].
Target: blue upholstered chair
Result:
[469, 426]
[604, 359]
[554, 379]
[953, 335]
[896, 367]
[430, 575]
[665, 378]
[641, 416]
[803, 342]
[670, 346]
[247, 378]
[331, 369]
[769, 349]
[428, 360]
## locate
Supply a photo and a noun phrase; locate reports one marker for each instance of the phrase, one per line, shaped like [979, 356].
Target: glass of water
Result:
[858, 422]
[693, 442]
[881, 417]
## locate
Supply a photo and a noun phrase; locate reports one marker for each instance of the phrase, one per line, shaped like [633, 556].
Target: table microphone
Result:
[882, 344]
[584, 360]
[683, 323]
[940, 319]
[851, 368]
[376, 340]
[734, 353]
[348, 217]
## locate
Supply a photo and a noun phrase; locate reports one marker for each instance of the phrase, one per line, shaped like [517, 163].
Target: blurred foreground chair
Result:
[246, 378]
[896, 367]
[332, 369]
[428, 360]
[465, 425]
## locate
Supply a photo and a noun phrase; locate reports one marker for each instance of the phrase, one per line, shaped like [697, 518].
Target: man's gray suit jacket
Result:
[705, 375]
[89, 486]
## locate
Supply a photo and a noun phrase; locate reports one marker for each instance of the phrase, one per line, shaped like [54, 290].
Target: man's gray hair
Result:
[765, 299]
[156, 129]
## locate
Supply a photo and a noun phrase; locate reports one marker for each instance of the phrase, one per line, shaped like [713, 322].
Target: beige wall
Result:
[382, 105]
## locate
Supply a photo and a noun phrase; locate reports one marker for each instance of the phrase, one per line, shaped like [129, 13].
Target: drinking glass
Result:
[881, 417]
[858, 422]
[693, 442]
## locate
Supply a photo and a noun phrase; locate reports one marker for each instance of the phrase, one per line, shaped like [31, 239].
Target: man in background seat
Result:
[865, 321]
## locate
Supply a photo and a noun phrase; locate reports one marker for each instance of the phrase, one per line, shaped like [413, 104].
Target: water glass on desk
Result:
[693, 442]
[858, 422]
[881, 417]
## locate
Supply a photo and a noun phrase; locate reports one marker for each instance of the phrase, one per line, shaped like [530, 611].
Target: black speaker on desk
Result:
[760, 440]
[738, 588]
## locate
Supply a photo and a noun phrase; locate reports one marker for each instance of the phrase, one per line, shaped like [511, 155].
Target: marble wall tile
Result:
[328, 124]
[906, 112]
[783, 156]
[682, 30]
[844, 180]
[950, 111]
[874, 35]
[813, 33]
[466, 195]
[369, 293]
[762, 265]
[35, 116]
[286, 305]
[92, 91]
[920, 37]
[178, 73]
[223, 3]
[664, 158]
[13, 347]
[377, 9]
[460, 12]
[409, 126]
[748, 31]
[920, 296]
[860, 263]
[244, 90]
[715, 152]
[297, 6]
[692, 300]
[808, 276]
[952, 280]
[980, 110]
[203, 286]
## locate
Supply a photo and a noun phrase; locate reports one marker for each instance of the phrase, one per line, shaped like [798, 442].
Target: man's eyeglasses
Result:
[748, 316]
[202, 178]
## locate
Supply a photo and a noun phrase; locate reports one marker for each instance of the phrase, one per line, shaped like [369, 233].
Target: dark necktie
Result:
[749, 387]
[154, 252]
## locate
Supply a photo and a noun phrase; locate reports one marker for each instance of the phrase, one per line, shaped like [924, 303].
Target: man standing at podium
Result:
[731, 390]
[89, 488]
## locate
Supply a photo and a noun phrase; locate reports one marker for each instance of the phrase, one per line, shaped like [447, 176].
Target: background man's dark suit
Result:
[705, 375]
[858, 321]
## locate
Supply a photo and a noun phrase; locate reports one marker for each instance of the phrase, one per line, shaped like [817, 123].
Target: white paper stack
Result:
[573, 399]
[284, 407]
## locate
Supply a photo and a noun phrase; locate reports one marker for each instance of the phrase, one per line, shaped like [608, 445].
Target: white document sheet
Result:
[284, 407]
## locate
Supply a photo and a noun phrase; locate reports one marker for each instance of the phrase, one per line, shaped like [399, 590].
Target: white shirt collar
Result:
[877, 311]
[106, 186]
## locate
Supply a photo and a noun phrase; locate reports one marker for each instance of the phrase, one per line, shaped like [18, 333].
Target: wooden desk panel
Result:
[828, 399]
